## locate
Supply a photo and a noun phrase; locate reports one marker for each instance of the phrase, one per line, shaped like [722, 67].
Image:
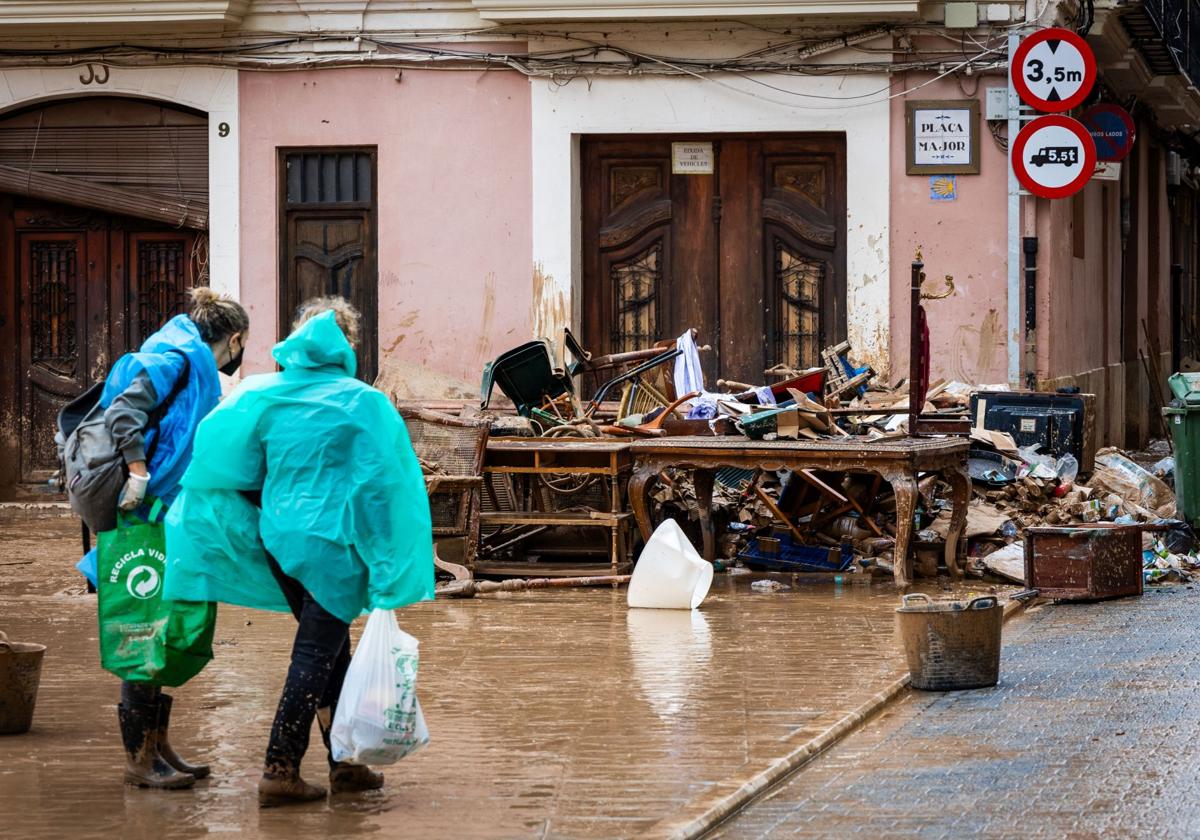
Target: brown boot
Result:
[345, 777]
[144, 765]
[353, 778]
[199, 771]
[283, 786]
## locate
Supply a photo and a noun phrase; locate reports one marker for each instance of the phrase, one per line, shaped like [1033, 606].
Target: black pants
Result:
[320, 657]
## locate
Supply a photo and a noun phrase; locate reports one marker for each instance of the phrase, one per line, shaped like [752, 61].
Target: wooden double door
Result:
[752, 254]
[78, 288]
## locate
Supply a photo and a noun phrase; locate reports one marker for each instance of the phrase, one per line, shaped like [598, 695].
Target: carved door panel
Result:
[329, 256]
[753, 256]
[803, 259]
[650, 247]
[54, 364]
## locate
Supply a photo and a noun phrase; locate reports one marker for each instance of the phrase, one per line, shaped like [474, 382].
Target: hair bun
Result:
[204, 297]
[215, 315]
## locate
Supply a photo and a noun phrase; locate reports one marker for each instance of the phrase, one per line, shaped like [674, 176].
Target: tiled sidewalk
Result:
[1091, 733]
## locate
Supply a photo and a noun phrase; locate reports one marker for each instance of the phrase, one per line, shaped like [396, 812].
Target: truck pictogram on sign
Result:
[1062, 155]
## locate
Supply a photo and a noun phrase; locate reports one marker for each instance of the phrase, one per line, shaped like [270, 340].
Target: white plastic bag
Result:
[378, 718]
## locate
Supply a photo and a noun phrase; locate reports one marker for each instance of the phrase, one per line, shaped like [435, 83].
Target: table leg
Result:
[639, 498]
[904, 485]
[960, 497]
[612, 557]
[702, 480]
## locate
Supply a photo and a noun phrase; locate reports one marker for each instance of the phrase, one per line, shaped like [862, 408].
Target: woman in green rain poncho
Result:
[304, 494]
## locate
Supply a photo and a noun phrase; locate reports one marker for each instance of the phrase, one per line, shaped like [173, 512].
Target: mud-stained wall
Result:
[965, 238]
[453, 210]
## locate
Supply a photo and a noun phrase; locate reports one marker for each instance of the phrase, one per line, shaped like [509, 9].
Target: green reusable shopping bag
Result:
[144, 638]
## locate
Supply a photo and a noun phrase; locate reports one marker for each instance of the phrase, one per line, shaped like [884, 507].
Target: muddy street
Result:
[554, 713]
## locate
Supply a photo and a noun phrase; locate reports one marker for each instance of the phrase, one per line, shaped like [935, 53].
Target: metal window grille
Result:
[636, 285]
[53, 311]
[329, 177]
[798, 329]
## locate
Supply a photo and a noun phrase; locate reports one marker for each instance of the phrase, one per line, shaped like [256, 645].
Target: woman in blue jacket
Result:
[211, 337]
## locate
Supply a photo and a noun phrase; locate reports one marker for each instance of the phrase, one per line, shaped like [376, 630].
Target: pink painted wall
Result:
[965, 238]
[455, 198]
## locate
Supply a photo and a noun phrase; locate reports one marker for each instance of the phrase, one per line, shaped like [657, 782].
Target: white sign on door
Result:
[692, 159]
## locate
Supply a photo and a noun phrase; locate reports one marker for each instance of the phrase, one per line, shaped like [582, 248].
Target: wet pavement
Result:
[1091, 733]
[552, 713]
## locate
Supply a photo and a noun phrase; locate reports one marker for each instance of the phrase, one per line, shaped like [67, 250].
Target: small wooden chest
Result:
[1087, 563]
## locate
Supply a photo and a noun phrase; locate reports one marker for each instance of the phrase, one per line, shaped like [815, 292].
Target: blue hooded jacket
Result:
[198, 398]
[178, 428]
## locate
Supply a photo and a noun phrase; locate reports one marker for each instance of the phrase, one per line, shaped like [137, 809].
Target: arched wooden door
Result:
[79, 287]
[752, 254]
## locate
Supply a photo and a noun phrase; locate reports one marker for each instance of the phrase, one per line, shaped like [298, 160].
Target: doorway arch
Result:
[82, 281]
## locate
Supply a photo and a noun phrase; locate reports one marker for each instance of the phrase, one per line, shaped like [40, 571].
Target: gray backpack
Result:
[92, 471]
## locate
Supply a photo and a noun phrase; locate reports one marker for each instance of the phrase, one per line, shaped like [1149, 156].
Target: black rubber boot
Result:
[345, 777]
[200, 771]
[144, 766]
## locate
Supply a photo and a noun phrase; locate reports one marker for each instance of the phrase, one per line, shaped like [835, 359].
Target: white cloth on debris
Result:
[689, 377]
[688, 374]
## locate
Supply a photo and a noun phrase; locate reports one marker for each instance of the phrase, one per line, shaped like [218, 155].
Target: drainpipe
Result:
[1029, 245]
[1014, 223]
[1176, 315]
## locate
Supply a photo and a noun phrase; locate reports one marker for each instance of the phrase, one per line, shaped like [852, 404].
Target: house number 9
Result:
[223, 129]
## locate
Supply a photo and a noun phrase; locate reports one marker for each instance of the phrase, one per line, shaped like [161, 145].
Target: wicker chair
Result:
[455, 447]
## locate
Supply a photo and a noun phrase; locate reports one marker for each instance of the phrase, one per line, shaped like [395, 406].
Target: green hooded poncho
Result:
[344, 507]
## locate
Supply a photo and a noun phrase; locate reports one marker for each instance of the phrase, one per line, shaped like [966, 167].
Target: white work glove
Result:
[134, 491]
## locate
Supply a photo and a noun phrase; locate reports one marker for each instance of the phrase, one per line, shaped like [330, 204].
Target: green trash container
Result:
[1183, 416]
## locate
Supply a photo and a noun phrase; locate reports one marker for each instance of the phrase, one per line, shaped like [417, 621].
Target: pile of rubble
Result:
[1024, 490]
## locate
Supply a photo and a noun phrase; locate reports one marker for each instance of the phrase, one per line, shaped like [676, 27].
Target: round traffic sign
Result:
[1112, 130]
[1054, 156]
[1053, 70]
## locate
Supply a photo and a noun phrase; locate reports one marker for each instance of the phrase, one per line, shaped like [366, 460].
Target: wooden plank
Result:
[553, 469]
[500, 568]
[774, 508]
[596, 518]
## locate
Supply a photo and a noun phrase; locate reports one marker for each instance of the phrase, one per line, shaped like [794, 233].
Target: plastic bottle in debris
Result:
[1009, 529]
[1066, 468]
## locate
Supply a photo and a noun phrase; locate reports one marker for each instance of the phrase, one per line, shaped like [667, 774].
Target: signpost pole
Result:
[1014, 230]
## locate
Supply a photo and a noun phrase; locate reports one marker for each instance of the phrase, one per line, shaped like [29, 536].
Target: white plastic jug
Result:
[670, 574]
